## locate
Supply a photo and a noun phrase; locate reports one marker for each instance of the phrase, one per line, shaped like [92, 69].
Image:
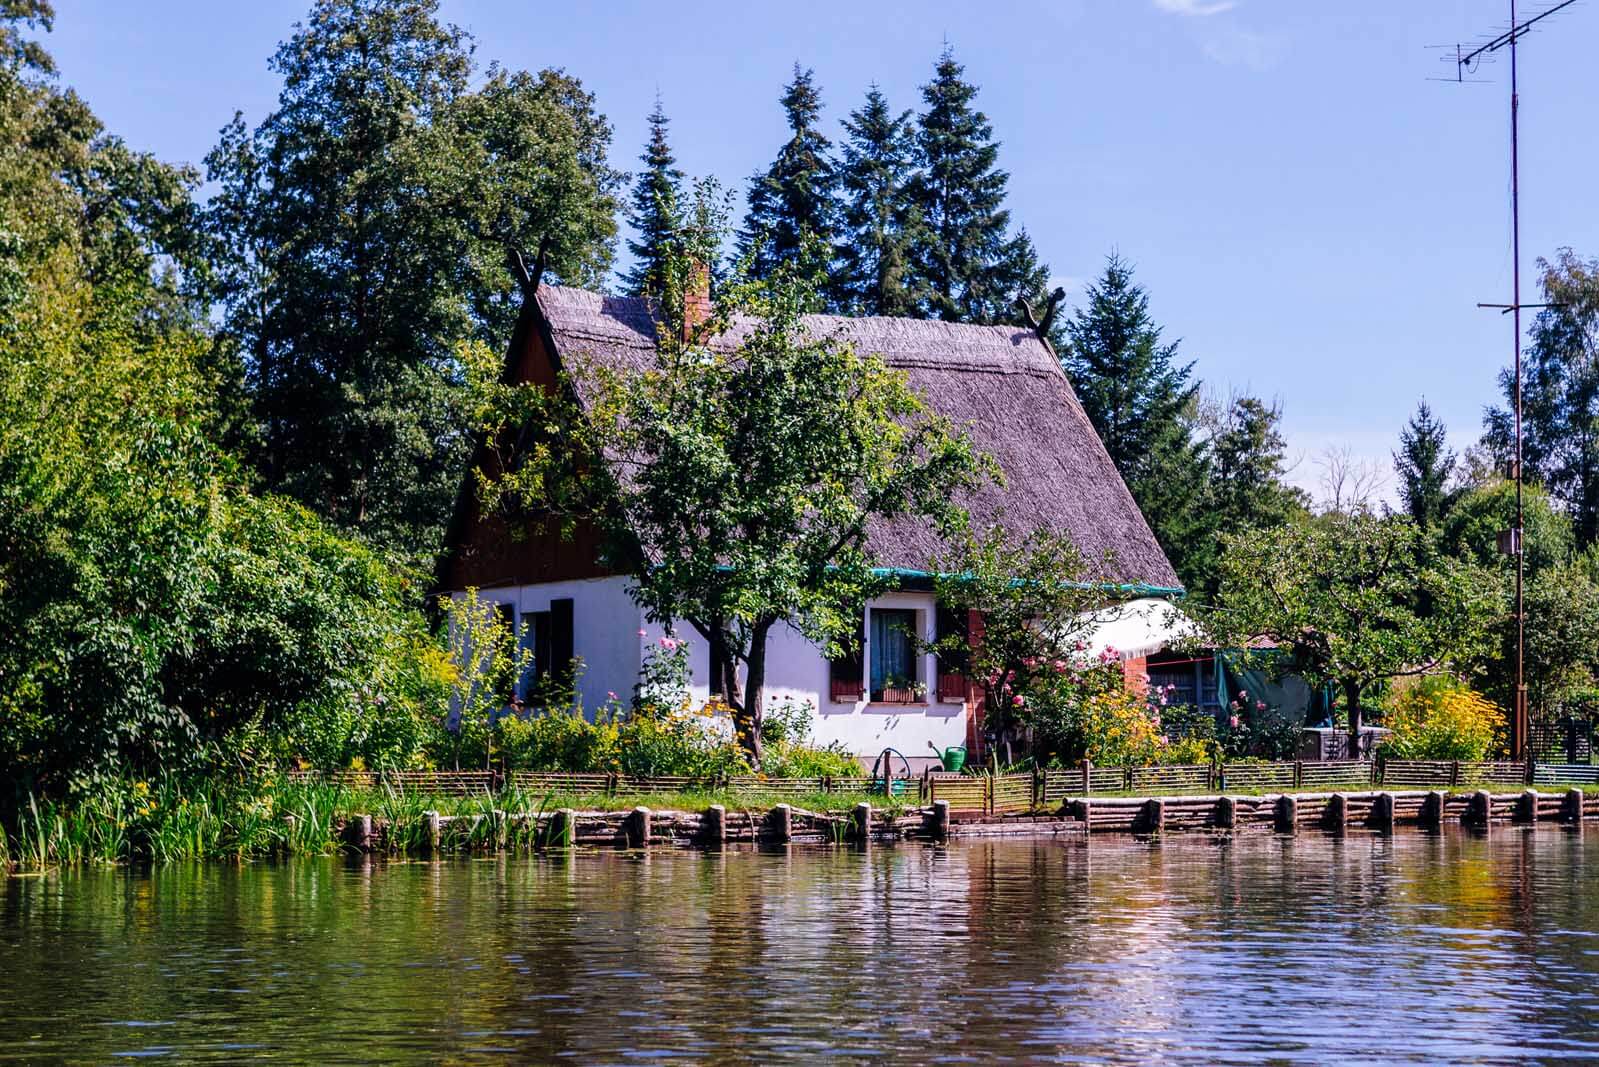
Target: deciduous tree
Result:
[365, 225]
[1356, 598]
[738, 479]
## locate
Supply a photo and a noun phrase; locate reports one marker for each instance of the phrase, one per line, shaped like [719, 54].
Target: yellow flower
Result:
[141, 788]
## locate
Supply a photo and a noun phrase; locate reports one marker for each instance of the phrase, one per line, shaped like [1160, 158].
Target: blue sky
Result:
[1312, 217]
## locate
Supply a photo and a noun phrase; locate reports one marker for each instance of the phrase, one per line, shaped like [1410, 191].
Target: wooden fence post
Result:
[358, 832]
[1287, 814]
[636, 828]
[988, 794]
[430, 832]
[1088, 776]
[1127, 778]
[937, 821]
[1299, 773]
[1382, 812]
[1527, 806]
[713, 826]
[1432, 810]
[1038, 788]
[1571, 807]
[1335, 816]
[861, 822]
[1479, 810]
[1226, 812]
[781, 821]
[563, 828]
[1454, 773]
[1153, 815]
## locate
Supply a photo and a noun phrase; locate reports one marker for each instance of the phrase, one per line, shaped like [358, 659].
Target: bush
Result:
[1441, 718]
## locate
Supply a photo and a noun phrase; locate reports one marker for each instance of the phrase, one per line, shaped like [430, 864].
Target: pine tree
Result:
[1145, 409]
[967, 267]
[878, 221]
[792, 212]
[654, 210]
[1424, 464]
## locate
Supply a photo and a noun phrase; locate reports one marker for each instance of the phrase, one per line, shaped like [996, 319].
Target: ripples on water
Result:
[1418, 948]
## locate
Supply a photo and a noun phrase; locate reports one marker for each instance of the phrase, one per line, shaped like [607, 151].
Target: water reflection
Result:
[1415, 947]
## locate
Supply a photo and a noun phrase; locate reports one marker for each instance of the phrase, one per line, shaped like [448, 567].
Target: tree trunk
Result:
[1352, 697]
[753, 711]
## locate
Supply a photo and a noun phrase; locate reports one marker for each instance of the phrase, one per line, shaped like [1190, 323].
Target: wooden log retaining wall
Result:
[716, 827]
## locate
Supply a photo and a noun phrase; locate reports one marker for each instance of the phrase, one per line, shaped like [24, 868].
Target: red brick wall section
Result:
[1135, 674]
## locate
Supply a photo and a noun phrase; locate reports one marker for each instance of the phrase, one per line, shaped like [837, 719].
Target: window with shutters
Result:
[954, 661]
[847, 673]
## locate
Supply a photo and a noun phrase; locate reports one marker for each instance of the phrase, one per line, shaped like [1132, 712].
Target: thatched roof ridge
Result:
[1001, 384]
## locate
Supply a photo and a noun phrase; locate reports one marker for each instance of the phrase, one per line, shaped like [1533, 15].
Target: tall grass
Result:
[172, 820]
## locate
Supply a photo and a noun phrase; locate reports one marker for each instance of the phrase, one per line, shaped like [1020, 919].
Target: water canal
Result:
[1451, 947]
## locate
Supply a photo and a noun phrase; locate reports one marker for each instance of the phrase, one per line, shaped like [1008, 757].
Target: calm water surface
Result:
[1418, 948]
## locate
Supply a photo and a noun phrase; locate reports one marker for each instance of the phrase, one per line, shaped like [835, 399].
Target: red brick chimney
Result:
[696, 298]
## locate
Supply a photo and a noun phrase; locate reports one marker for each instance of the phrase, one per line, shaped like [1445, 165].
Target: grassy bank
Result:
[168, 821]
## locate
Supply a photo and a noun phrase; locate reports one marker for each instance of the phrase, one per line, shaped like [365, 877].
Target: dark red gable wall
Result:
[489, 553]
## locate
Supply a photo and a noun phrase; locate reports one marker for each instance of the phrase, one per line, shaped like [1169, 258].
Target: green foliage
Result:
[879, 225]
[1424, 464]
[1248, 458]
[1357, 599]
[1441, 718]
[1560, 422]
[1145, 408]
[753, 473]
[1035, 595]
[967, 266]
[654, 211]
[791, 220]
[1470, 530]
[362, 231]
[154, 617]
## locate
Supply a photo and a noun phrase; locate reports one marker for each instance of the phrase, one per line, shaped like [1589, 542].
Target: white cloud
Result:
[1195, 7]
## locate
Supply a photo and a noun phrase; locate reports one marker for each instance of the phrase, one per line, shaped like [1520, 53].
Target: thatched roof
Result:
[1001, 384]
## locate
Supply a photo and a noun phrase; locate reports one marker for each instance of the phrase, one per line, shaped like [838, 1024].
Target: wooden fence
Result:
[988, 794]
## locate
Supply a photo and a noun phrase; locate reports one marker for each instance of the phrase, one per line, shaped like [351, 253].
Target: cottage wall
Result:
[606, 636]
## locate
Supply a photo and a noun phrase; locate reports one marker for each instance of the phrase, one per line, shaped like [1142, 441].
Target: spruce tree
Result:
[968, 267]
[1424, 464]
[654, 210]
[791, 216]
[1145, 409]
[879, 224]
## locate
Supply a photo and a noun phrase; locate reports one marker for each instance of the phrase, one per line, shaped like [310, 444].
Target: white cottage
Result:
[1003, 384]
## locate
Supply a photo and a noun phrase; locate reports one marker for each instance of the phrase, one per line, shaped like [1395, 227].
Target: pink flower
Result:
[1060, 666]
[1030, 662]
[1156, 722]
[670, 643]
[641, 633]
[1260, 705]
[1233, 722]
[610, 694]
[1018, 700]
[1243, 694]
[1163, 739]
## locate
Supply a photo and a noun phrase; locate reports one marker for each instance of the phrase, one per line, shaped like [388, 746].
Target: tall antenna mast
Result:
[1467, 62]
